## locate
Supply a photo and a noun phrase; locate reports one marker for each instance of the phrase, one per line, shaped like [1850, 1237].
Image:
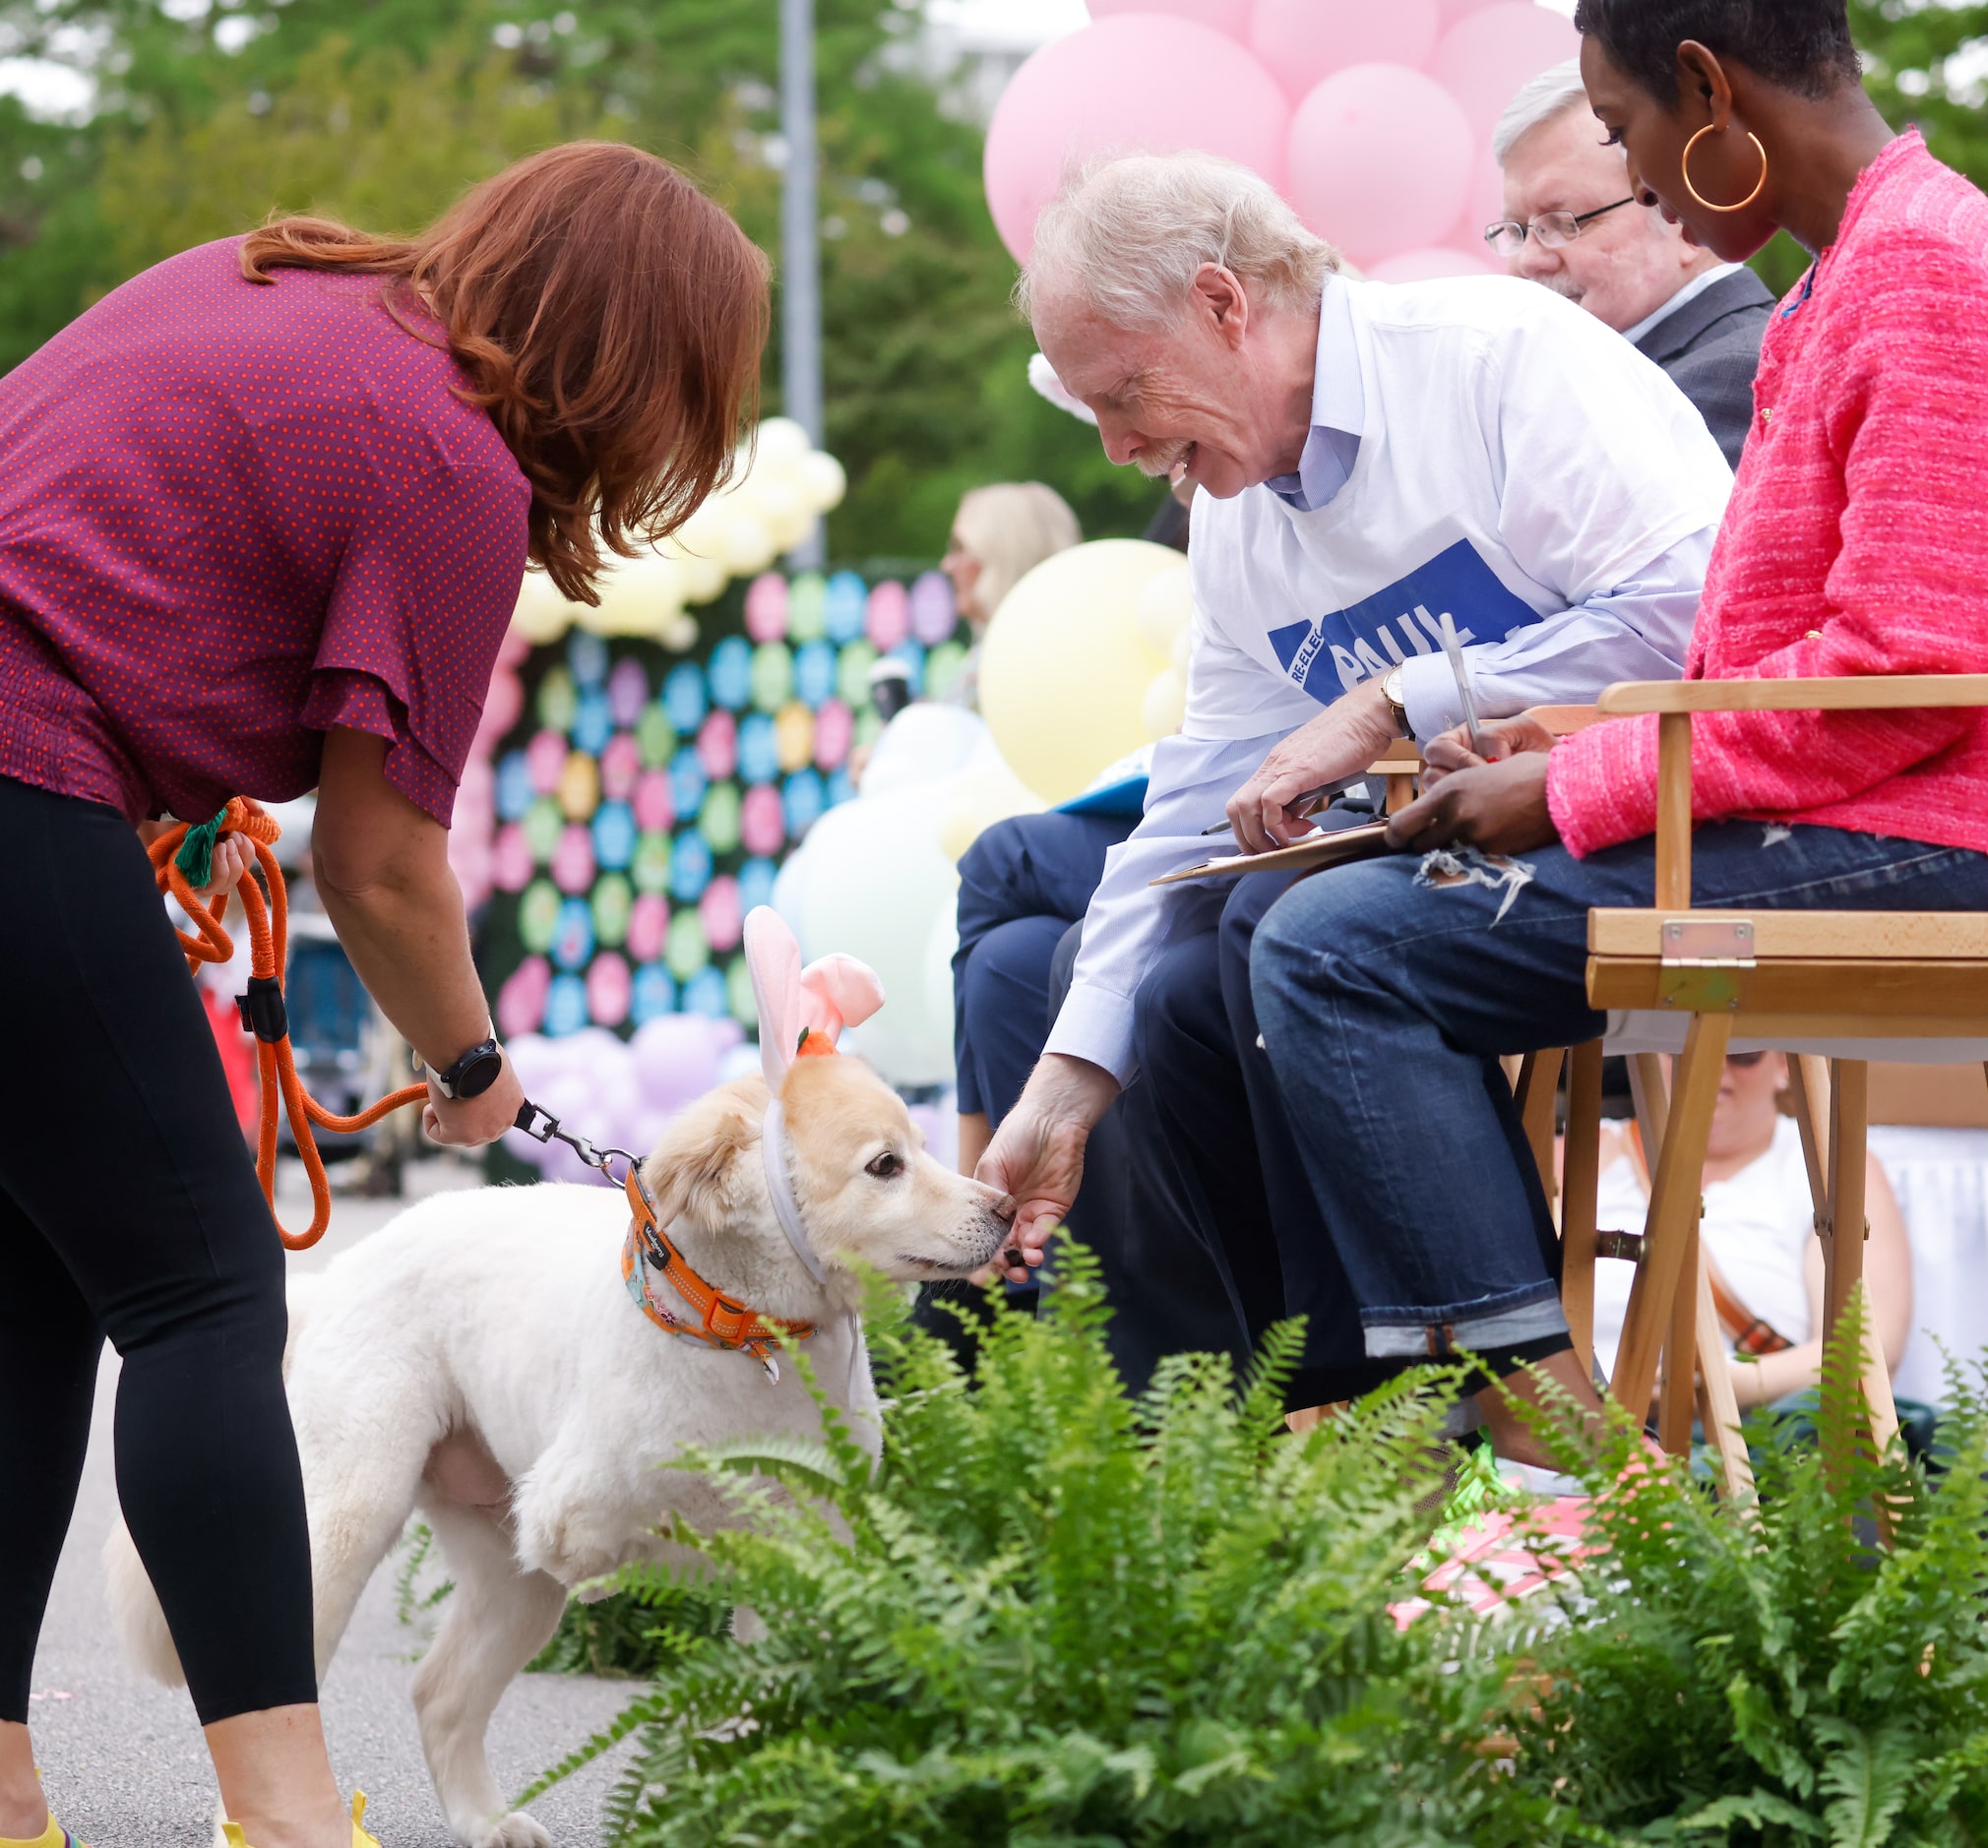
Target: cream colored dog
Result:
[480, 1359]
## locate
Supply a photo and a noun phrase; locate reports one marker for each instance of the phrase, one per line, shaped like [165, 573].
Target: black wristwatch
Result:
[471, 1075]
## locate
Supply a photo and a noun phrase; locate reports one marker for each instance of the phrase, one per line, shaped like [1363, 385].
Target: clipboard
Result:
[1338, 848]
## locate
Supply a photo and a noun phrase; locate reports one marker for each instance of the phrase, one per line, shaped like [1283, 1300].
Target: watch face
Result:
[480, 1075]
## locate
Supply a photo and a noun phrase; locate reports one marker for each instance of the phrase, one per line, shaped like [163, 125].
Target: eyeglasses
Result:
[1550, 229]
[1746, 1061]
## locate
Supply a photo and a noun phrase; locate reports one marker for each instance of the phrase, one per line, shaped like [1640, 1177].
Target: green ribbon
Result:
[195, 857]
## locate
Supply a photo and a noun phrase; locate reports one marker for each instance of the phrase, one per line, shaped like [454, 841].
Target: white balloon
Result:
[787, 515]
[877, 886]
[1163, 609]
[744, 546]
[789, 898]
[925, 743]
[821, 479]
[639, 596]
[543, 613]
[782, 443]
[679, 633]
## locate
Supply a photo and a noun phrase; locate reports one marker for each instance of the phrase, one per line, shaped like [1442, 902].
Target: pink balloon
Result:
[718, 911]
[501, 706]
[469, 859]
[609, 989]
[544, 758]
[1380, 160]
[1224, 16]
[760, 824]
[834, 724]
[647, 926]
[521, 1001]
[1484, 58]
[1140, 80]
[1455, 10]
[717, 745]
[515, 649]
[766, 610]
[1484, 205]
[511, 858]
[620, 767]
[887, 619]
[1303, 42]
[654, 807]
[572, 860]
[1429, 266]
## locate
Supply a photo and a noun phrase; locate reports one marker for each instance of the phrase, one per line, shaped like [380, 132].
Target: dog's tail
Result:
[134, 1605]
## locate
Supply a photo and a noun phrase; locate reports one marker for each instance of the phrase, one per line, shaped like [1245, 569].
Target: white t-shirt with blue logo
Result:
[1523, 471]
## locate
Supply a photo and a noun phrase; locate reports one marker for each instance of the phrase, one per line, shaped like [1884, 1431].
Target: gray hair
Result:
[1131, 234]
[1549, 94]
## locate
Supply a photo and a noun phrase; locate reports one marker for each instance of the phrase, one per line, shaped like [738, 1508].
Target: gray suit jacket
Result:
[1711, 347]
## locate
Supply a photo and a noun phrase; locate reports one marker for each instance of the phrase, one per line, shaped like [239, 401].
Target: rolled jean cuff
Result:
[1491, 1325]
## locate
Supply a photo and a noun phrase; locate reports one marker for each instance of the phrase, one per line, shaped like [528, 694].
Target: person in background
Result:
[1000, 534]
[263, 515]
[1574, 224]
[1760, 1241]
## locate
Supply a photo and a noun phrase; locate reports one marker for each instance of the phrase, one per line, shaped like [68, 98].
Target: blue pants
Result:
[1023, 888]
[1388, 990]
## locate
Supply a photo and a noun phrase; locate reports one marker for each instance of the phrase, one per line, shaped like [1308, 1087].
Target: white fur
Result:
[493, 1328]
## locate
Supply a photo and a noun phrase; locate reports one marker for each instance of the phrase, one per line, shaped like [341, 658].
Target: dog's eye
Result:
[885, 1166]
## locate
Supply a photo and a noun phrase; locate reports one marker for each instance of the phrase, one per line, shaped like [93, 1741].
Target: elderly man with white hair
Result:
[1370, 459]
[1573, 224]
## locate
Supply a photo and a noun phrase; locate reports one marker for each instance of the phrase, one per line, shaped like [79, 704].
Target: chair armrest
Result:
[1850, 693]
[1565, 721]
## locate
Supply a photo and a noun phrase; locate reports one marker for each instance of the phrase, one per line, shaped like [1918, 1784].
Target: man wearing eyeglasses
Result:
[1571, 225]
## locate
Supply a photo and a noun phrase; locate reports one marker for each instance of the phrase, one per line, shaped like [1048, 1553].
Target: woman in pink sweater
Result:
[1857, 543]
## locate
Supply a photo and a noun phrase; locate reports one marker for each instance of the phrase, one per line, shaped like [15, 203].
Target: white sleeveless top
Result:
[1758, 1226]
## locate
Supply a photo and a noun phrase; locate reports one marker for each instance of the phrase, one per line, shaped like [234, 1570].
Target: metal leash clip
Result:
[544, 1127]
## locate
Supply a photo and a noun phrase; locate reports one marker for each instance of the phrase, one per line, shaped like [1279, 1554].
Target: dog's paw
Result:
[516, 1830]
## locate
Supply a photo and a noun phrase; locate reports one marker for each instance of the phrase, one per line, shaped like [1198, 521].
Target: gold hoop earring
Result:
[1698, 196]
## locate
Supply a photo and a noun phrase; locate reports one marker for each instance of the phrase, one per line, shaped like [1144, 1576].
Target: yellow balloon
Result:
[793, 736]
[542, 614]
[639, 596]
[786, 514]
[1164, 608]
[1064, 671]
[679, 633]
[780, 444]
[820, 481]
[578, 786]
[1164, 705]
[976, 799]
[744, 544]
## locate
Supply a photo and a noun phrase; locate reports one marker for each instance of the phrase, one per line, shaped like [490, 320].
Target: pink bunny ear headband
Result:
[802, 1013]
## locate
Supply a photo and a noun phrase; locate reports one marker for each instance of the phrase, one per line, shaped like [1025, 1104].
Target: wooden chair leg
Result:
[1844, 1241]
[1677, 1383]
[1578, 1206]
[1539, 1083]
[1808, 1090]
[1675, 1192]
[1720, 1408]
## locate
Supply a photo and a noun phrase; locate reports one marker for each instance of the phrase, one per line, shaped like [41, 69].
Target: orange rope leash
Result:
[275, 1062]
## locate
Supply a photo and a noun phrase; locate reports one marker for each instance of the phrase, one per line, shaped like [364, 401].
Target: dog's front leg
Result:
[497, 1620]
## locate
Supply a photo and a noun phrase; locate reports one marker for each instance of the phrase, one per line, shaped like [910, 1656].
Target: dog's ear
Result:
[693, 1173]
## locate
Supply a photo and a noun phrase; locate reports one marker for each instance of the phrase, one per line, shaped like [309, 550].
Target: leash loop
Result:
[182, 858]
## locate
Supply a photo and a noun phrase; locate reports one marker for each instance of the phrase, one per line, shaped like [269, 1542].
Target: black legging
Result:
[129, 1208]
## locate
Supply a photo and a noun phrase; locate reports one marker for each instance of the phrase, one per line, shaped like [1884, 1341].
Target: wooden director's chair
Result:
[1833, 989]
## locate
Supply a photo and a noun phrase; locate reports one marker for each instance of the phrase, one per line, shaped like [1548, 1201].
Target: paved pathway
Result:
[123, 1757]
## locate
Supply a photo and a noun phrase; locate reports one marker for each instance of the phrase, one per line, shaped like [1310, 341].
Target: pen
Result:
[1455, 650]
[1306, 806]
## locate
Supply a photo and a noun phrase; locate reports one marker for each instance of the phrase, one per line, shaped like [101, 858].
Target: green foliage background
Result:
[381, 111]
[211, 113]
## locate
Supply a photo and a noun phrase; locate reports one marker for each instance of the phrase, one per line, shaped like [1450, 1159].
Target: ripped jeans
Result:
[1387, 992]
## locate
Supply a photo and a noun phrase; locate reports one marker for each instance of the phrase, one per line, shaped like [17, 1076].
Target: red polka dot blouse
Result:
[234, 517]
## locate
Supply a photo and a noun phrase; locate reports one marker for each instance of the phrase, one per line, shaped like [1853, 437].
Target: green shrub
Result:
[1056, 1615]
[1770, 1673]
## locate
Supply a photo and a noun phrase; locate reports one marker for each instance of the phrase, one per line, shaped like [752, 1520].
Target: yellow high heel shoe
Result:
[53, 1836]
[236, 1840]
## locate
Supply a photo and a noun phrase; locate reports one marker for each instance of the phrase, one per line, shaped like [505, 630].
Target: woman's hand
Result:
[1499, 807]
[1450, 751]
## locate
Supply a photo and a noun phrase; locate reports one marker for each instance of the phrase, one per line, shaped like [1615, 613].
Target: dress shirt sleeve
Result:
[1640, 630]
[1129, 922]
[1903, 594]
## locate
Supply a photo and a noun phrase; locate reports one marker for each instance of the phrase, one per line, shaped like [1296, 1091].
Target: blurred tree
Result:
[209, 117]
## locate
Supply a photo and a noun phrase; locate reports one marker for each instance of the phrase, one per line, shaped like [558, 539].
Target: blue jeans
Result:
[1387, 992]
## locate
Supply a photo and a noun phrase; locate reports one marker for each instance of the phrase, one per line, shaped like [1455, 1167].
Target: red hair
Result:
[610, 319]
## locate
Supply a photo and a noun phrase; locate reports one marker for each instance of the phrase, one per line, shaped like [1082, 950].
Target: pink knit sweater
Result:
[1856, 543]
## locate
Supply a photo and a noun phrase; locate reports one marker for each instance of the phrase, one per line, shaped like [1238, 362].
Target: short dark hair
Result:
[1803, 45]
